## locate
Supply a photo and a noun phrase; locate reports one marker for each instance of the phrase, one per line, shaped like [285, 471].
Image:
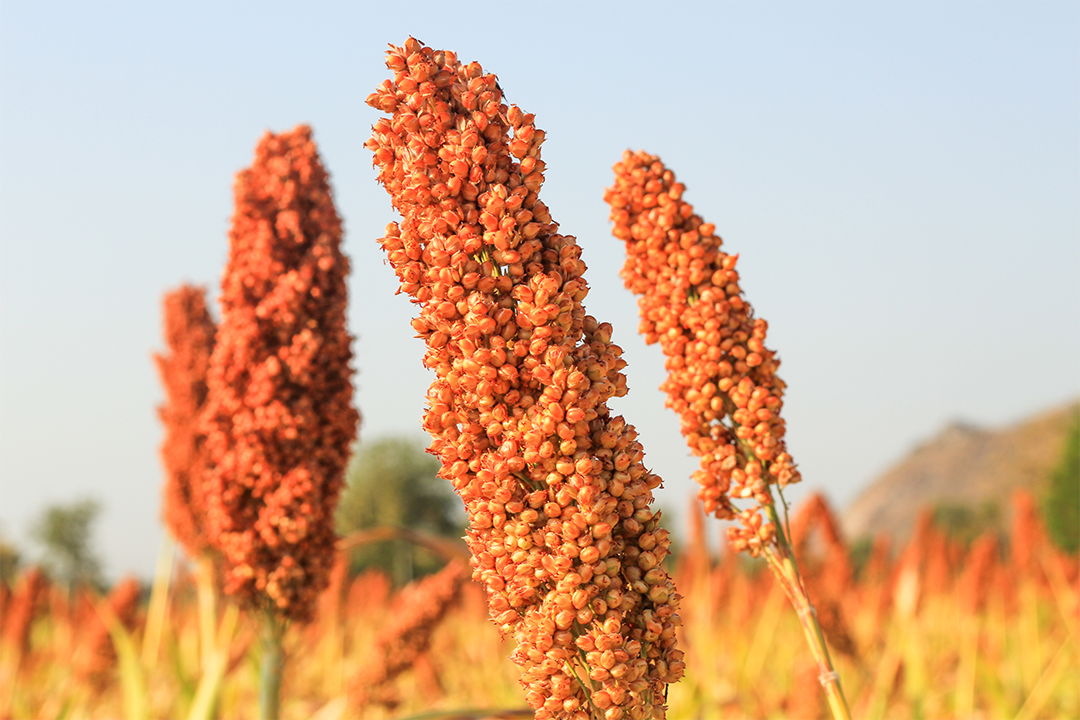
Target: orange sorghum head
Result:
[189, 335]
[694, 562]
[806, 699]
[976, 581]
[874, 585]
[815, 513]
[561, 530]
[829, 562]
[938, 568]
[908, 581]
[27, 602]
[330, 601]
[1027, 538]
[367, 592]
[879, 565]
[415, 615]
[721, 378]
[826, 568]
[279, 418]
[98, 656]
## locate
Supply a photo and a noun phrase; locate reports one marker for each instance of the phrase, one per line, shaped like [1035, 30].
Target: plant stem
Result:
[204, 586]
[781, 560]
[159, 604]
[273, 662]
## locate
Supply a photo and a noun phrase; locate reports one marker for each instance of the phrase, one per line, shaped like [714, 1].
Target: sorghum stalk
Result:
[560, 526]
[271, 664]
[279, 419]
[721, 378]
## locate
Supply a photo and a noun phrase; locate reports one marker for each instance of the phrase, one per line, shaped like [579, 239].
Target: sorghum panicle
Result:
[189, 335]
[829, 564]
[805, 699]
[415, 615]
[908, 583]
[1027, 537]
[279, 417]
[330, 602]
[982, 564]
[721, 378]
[367, 592]
[561, 530]
[98, 656]
[27, 602]
[828, 574]
[938, 571]
[878, 567]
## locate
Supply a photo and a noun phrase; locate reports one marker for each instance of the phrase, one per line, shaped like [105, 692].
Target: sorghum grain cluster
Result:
[97, 659]
[558, 498]
[406, 637]
[189, 335]
[721, 378]
[27, 603]
[279, 417]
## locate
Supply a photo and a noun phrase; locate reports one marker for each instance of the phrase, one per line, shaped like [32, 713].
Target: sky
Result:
[901, 181]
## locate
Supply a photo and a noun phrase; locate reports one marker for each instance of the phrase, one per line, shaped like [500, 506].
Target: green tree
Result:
[965, 523]
[10, 560]
[64, 531]
[392, 482]
[1061, 503]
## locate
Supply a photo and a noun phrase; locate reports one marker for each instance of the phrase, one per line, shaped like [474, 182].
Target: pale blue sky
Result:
[901, 180]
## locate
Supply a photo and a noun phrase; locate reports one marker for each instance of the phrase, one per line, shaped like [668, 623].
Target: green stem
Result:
[273, 662]
[782, 562]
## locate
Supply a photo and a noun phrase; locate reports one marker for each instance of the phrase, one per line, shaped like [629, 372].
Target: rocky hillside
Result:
[962, 465]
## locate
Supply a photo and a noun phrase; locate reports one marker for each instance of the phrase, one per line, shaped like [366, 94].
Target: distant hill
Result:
[962, 465]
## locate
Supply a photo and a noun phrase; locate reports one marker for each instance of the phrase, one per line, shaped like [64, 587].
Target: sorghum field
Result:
[928, 630]
[567, 598]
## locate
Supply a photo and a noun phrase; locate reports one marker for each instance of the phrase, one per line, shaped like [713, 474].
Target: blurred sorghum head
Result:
[189, 335]
[279, 418]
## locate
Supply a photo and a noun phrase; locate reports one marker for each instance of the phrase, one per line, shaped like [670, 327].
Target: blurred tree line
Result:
[68, 557]
[64, 532]
[1061, 504]
[392, 482]
[965, 523]
[10, 561]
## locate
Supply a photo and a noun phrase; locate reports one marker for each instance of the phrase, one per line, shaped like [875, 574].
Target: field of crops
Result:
[929, 630]
[568, 598]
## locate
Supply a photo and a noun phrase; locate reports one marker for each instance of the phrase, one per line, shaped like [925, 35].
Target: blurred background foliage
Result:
[10, 562]
[965, 523]
[1061, 504]
[392, 482]
[64, 532]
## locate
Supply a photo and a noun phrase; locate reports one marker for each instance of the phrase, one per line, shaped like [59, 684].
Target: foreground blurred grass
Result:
[930, 635]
